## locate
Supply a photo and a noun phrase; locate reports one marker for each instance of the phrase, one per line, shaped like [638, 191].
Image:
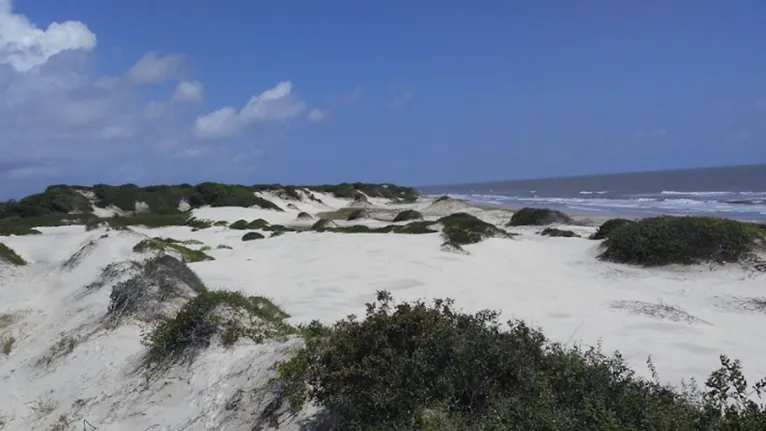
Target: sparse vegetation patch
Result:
[463, 228]
[538, 217]
[229, 315]
[668, 240]
[167, 245]
[408, 215]
[551, 231]
[8, 255]
[252, 236]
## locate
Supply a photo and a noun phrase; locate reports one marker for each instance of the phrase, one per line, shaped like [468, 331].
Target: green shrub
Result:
[141, 219]
[681, 240]
[538, 217]
[7, 254]
[181, 336]
[462, 228]
[239, 225]
[550, 231]
[414, 228]
[608, 227]
[387, 191]
[18, 230]
[412, 366]
[251, 236]
[407, 215]
[166, 245]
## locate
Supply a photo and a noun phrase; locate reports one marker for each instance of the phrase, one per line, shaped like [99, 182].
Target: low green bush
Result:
[166, 245]
[538, 217]
[18, 230]
[668, 240]
[7, 254]
[407, 215]
[251, 236]
[413, 366]
[463, 228]
[230, 314]
[608, 227]
[551, 231]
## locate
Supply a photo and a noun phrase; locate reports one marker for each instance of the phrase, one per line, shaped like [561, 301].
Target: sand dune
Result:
[67, 367]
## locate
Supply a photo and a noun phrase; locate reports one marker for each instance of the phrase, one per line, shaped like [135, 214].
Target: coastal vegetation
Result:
[463, 228]
[552, 231]
[609, 226]
[63, 204]
[538, 217]
[8, 255]
[415, 366]
[666, 240]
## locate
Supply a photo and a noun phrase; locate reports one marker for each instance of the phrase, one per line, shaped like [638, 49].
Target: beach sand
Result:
[65, 367]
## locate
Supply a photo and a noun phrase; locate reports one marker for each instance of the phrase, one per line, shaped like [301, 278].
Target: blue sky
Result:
[409, 92]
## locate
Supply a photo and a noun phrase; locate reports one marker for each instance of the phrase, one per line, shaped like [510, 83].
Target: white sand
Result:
[554, 283]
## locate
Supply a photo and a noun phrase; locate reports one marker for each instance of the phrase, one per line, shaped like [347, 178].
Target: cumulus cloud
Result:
[151, 69]
[188, 91]
[317, 115]
[61, 122]
[23, 46]
[273, 105]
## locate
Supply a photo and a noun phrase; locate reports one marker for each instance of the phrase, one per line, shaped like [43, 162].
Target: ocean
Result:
[737, 192]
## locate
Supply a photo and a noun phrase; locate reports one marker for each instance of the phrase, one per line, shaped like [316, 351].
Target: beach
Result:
[65, 366]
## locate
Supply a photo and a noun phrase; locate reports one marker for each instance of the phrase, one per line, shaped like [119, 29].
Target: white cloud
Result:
[151, 69]
[188, 91]
[317, 115]
[273, 105]
[24, 46]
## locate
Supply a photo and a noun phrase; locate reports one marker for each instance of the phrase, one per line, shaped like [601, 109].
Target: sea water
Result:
[733, 192]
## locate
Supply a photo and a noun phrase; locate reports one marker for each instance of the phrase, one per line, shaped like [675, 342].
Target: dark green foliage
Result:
[61, 200]
[21, 229]
[61, 205]
[416, 367]
[259, 224]
[538, 217]
[463, 228]
[407, 215]
[351, 190]
[551, 231]
[414, 228]
[142, 219]
[356, 214]
[681, 240]
[251, 236]
[168, 244]
[7, 254]
[181, 336]
[608, 227]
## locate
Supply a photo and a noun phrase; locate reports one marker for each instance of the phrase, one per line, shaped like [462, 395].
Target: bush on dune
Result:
[167, 245]
[407, 215]
[252, 236]
[228, 314]
[668, 240]
[7, 254]
[551, 231]
[608, 227]
[538, 217]
[351, 190]
[463, 228]
[412, 366]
